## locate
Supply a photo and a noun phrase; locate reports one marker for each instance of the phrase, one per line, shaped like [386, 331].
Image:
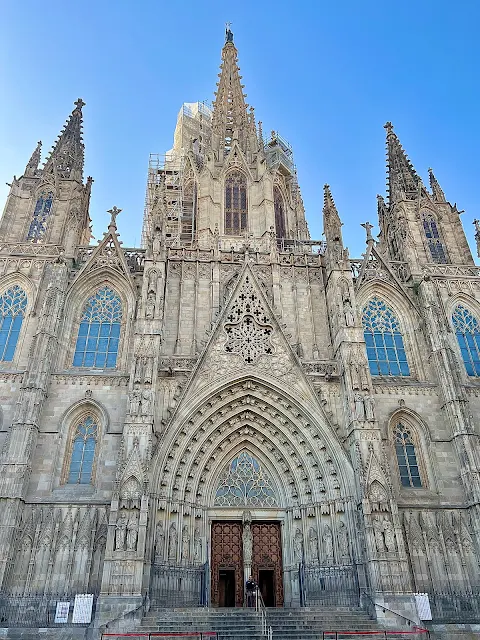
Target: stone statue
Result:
[313, 544]
[120, 531]
[197, 545]
[159, 540]
[343, 540]
[389, 535]
[146, 402]
[369, 402]
[139, 367]
[348, 312]
[150, 306]
[148, 375]
[185, 543]
[172, 542]
[378, 532]
[157, 243]
[152, 281]
[247, 540]
[298, 546]
[328, 543]
[132, 532]
[359, 407]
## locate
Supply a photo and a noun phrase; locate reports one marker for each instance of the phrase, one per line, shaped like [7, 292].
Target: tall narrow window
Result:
[38, 226]
[84, 440]
[13, 303]
[385, 348]
[189, 210]
[99, 331]
[279, 207]
[406, 457]
[235, 203]
[434, 241]
[467, 329]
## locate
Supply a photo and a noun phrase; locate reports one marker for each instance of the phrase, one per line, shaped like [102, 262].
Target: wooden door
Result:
[227, 556]
[267, 557]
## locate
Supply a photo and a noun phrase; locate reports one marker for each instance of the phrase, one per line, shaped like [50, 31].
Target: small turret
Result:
[32, 165]
[332, 228]
[437, 191]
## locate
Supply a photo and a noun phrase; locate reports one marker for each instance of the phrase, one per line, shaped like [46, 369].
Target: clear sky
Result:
[326, 74]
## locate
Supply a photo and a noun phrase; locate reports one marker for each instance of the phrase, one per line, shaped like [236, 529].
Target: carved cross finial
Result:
[228, 33]
[113, 213]
[389, 127]
[79, 103]
[368, 228]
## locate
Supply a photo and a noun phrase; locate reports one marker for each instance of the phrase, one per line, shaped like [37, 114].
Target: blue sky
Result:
[326, 75]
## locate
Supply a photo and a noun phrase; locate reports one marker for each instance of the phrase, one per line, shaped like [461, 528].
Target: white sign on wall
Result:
[61, 612]
[82, 608]
[423, 606]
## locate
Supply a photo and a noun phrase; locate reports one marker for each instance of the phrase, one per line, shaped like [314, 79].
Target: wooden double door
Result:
[228, 579]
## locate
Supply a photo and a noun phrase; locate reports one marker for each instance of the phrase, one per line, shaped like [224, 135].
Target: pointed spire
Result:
[32, 165]
[437, 190]
[332, 224]
[403, 181]
[230, 120]
[66, 158]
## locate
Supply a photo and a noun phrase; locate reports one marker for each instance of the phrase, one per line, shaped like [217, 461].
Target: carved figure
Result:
[150, 306]
[185, 543]
[135, 403]
[132, 532]
[120, 531]
[298, 546]
[172, 542]
[197, 545]
[139, 367]
[313, 544]
[148, 375]
[348, 312]
[328, 543]
[159, 540]
[359, 407]
[157, 243]
[343, 540]
[389, 535]
[247, 540]
[378, 532]
[369, 402]
[146, 402]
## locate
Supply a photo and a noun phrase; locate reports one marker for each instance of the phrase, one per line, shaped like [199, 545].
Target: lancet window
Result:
[99, 331]
[406, 456]
[467, 330]
[279, 208]
[38, 225]
[245, 483]
[434, 241]
[236, 210]
[189, 217]
[13, 303]
[383, 336]
[82, 457]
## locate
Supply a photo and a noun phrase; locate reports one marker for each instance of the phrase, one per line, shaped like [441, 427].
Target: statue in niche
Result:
[157, 243]
[348, 313]
[146, 402]
[185, 543]
[172, 542]
[139, 368]
[378, 533]
[152, 281]
[313, 544]
[135, 403]
[197, 545]
[389, 535]
[369, 402]
[120, 531]
[247, 538]
[159, 540]
[359, 407]
[148, 376]
[328, 543]
[343, 540]
[298, 546]
[150, 306]
[132, 532]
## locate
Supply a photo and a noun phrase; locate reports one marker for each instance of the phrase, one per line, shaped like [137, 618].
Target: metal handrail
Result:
[400, 615]
[260, 606]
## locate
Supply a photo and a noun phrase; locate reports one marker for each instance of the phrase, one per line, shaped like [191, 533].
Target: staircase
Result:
[246, 624]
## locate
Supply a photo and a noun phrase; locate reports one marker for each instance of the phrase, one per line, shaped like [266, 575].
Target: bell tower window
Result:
[279, 207]
[236, 210]
[434, 241]
[38, 225]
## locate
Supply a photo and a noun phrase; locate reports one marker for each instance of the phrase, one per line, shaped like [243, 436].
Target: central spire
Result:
[66, 158]
[403, 181]
[230, 120]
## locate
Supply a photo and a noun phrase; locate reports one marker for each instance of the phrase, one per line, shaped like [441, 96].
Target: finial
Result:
[79, 103]
[260, 131]
[368, 228]
[389, 127]
[228, 33]
[477, 235]
[113, 213]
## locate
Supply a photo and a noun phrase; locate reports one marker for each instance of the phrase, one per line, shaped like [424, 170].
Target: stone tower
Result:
[235, 397]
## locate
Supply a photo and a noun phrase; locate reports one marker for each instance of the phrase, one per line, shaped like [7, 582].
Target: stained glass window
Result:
[385, 348]
[278, 205]
[83, 451]
[467, 329]
[12, 309]
[99, 331]
[434, 241]
[406, 457]
[245, 483]
[235, 203]
[38, 226]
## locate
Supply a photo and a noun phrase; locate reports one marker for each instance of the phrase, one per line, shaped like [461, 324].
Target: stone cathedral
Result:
[234, 397]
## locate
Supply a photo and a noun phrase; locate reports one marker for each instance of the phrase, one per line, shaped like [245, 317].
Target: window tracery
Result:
[406, 456]
[38, 225]
[434, 241]
[13, 303]
[82, 457]
[236, 210]
[99, 331]
[245, 483]
[384, 340]
[467, 330]
[279, 208]
[248, 327]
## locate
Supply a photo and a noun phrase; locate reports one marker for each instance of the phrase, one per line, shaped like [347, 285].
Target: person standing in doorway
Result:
[251, 587]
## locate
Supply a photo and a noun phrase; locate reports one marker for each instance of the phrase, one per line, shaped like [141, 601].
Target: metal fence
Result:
[179, 586]
[328, 586]
[199, 635]
[36, 610]
[455, 606]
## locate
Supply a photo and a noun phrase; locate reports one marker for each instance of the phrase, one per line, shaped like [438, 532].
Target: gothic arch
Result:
[406, 313]
[6, 283]
[473, 306]
[75, 302]
[45, 187]
[235, 219]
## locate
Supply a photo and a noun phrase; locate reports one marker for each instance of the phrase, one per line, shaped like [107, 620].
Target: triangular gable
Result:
[248, 339]
[236, 160]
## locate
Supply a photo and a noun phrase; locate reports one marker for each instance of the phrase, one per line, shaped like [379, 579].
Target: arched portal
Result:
[249, 461]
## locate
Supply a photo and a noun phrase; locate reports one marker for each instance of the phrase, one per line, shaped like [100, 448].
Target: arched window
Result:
[406, 457]
[12, 309]
[99, 331]
[279, 207]
[467, 329]
[385, 348]
[245, 483]
[38, 226]
[235, 203]
[189, 215]
[84, 440]
[434, 241]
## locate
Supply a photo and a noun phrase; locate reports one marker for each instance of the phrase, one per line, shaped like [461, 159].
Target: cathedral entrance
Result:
[245, 548]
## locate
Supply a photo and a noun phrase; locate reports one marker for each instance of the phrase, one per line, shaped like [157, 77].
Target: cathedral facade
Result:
[235, 397]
